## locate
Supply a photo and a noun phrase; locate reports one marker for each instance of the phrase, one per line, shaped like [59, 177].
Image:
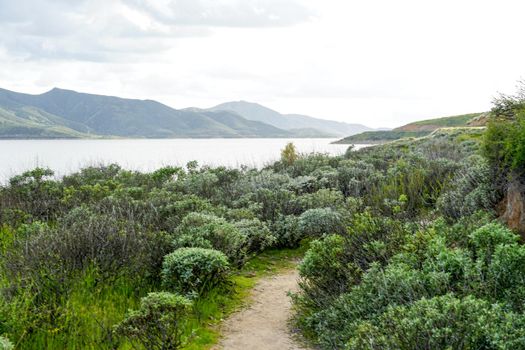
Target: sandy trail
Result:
[263, 325]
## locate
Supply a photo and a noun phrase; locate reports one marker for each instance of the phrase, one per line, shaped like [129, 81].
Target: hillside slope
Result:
[62, 113]
[415, 129]
[255, 111]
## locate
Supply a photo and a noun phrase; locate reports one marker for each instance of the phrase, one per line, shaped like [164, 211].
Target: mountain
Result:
[62, 113]
[416, 129]
[291, 122]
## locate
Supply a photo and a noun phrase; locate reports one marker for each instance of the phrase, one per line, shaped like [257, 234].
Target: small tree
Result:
[289, 154]
[159, 323]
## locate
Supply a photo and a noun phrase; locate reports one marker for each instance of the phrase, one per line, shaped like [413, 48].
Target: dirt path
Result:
[263, 325]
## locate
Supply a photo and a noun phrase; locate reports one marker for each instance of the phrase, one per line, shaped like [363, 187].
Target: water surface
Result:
[66, 156]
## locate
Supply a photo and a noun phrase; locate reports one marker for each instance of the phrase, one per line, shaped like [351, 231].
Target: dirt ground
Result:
[263, 324]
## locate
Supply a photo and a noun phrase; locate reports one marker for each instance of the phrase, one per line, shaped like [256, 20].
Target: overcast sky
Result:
[378, 62]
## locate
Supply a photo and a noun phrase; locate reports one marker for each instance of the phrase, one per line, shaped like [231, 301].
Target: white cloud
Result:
[377, 62]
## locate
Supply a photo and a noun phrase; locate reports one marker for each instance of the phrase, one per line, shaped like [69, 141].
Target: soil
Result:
[264, 323]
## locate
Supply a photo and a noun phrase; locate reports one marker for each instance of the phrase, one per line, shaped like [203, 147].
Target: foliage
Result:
[504, 140]
[444, 322]
[159, 323]
[5, 344]
[319, 222]
[194, 270]
[471, 190]
[212, 232]
[289, 154]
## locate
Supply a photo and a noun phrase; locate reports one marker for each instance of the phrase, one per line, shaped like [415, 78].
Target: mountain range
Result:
[61, 113]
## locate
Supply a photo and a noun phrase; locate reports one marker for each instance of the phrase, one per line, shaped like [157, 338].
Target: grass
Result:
[89, 310]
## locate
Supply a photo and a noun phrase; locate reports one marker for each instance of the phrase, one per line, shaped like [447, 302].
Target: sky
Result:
[381, 63]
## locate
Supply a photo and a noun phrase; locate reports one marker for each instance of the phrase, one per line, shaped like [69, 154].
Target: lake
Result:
[66, 156]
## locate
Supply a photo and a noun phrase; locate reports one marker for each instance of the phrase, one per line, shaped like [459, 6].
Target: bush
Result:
[323, 198]
[444, 322]
[212, 232]
[323, 270]
[5, 344]
[51, 257]
[34, 192]
[257, 234]
[471, 190]
[289, 154]
[504, 139]
[286, 231]
[194, 270]
[319, 222]
[160, 322]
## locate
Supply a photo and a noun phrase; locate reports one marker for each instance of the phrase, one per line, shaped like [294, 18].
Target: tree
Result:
[289, 154]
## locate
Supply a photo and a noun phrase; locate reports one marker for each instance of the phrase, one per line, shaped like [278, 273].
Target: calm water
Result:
[66, 156]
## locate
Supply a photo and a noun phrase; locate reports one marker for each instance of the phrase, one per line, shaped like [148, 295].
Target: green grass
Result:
[84, 316]
[458, 120]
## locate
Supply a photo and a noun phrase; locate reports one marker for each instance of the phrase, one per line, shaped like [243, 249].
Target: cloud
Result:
[225, 13]
[115, 30]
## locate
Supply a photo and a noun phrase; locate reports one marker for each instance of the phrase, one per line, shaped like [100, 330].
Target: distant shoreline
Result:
[165, 138]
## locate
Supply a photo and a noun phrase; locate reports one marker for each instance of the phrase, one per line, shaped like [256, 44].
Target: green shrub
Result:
[211, 232]
[256, 233]
[323, 198]
[396, 284]
[323, 270]
[160, 322]
[289, 154]
[444, 322]
[5, 344]
[504, 139]
[286, 231]
[319, 222]
[471, 190]
[194, 270]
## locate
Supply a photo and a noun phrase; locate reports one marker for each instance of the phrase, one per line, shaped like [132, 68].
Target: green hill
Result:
[415, 129]
[62, 113]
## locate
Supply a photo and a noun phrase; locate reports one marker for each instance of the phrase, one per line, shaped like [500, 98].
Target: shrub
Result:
[397, 284]
[471, 190]
[323, 270]
[289, 154]
[257, 234]
[34, 192]
[323, 198]
[5, 344]
[319, 222]
[160, 322]
[286, 231]
[504, 139]
[85, 239]
[194, 270]
[212, 232]
[444, 322]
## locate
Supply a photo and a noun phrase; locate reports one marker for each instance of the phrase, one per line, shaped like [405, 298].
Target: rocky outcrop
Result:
[512, 208]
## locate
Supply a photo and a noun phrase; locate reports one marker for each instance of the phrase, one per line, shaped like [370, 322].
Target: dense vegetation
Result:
[404, 251]
[416, 129]
[437, 274]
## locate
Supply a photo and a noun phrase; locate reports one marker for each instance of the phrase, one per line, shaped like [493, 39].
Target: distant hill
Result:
[62, 113]
[254, 111]
[416, 129]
